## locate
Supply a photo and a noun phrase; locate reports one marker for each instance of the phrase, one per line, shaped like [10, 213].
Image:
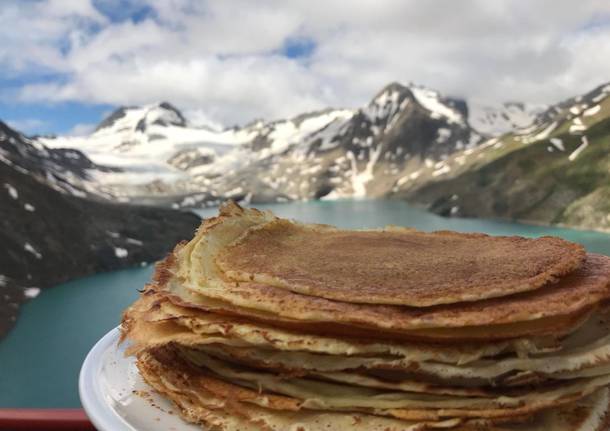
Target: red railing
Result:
[44, 419]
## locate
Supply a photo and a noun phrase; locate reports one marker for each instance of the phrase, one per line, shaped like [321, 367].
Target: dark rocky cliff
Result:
[52, 232]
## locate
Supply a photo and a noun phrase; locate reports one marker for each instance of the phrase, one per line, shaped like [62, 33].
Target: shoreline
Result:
[524, 222]
[12, 298]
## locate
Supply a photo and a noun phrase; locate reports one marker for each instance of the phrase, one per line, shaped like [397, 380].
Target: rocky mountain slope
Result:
[555, 172]
[357, 155]
[54, 228]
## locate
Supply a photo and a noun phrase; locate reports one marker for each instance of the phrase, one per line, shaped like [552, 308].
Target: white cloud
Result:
[199, 118]
[34, 34]
[27, 125]
[221, 59]
[82, 129]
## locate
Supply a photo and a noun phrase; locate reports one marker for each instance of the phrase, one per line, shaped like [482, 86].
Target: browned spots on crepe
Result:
[396, 266]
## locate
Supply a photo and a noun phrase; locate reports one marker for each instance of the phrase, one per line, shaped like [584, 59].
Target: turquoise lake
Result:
[41, 357]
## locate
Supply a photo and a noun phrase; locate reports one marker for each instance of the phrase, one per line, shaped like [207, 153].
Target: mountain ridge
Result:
[407, 141]
[556, 172]
[187, 167]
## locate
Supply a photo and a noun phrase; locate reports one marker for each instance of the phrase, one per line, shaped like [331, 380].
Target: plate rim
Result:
[103, 417]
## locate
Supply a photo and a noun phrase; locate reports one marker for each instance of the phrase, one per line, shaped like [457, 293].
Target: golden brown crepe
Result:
[260, 323]
[557, 310]
[192, 267]
[395, 266]
[179, 380]
[152, 308]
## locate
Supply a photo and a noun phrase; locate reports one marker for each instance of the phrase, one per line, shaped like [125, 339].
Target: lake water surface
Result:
[41, 357]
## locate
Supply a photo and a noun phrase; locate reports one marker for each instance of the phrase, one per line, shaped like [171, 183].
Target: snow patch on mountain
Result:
[360, 179]
[30, 248]
[120, 252]
[497, 120]
[141, 140]
[592, 111]
[584, 143]
[557, 143]
[31, 292]
[12, 191]
[430, 100]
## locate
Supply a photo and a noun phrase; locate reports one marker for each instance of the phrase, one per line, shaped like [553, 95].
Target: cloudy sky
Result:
[64, 64]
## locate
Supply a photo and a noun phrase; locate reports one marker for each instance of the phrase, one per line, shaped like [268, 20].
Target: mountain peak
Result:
[393, 91]
[138, 118]
[178, 119]
[391, 87]
[116, 115]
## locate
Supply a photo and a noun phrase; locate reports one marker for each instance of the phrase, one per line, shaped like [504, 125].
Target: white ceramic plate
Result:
[110, 389]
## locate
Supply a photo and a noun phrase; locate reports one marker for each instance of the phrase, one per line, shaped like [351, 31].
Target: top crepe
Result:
[394, 266]
[192, 277]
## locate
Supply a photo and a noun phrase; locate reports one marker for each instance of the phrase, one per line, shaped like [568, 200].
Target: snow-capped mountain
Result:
[156, 152]
[141, 143]
[359, 153]
[576, 111]
[498, 120]
[147, 134]
[332, 153]
[554, 171]
[405, 140]
[64, 169]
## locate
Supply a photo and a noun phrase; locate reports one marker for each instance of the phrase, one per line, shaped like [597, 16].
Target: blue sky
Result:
[57, 118]
[231, 61]
[45, 117]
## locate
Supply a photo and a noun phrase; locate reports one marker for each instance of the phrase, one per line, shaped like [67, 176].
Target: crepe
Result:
[193, 267]
[557, 311]
[291, 351]
[593, 356]
[200, 405]
[596, 357]
[260, 323]
[318, 394]
[158, 326]
[208, 327]
[191, 389]
[395, 266]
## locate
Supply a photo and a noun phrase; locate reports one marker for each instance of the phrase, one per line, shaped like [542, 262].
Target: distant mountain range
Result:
[515, 161]
[156, 157]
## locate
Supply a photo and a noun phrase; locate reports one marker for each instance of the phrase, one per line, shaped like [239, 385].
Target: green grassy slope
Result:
[530, 177]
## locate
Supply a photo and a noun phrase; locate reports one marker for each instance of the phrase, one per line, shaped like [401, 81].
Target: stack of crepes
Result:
[261, 323]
